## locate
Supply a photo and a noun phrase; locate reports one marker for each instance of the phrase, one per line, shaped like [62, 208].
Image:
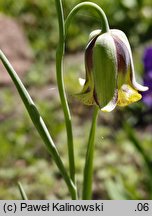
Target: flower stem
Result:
[88, 169]
[89, 5]
[61, 88]
[38, 123]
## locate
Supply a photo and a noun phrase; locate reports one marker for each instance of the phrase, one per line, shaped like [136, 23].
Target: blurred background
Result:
[123, 153]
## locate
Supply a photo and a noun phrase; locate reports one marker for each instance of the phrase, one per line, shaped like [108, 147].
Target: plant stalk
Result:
[88, 169]
[88, 5]
[61, 88]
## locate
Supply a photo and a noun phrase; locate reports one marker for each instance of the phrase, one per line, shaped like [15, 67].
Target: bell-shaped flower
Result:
[110, 78]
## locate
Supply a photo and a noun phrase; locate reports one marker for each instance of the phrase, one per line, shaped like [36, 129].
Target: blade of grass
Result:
[135, 141]
[22, 192]
[131, 135]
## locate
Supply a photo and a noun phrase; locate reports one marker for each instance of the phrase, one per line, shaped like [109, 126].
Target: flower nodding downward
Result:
[110, 77]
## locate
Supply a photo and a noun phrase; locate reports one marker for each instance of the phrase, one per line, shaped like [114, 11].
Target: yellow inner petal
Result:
[127, 95]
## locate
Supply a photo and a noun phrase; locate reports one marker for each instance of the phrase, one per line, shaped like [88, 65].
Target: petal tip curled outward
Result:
[126, 53]
[138, 86]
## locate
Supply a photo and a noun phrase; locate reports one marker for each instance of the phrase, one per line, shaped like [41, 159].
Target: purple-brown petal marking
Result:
[123, 57]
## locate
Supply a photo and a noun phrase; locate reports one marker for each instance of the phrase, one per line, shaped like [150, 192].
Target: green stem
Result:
[89, 5]
[38, 123]
[88, 169]
[61, 88]
[22, 192]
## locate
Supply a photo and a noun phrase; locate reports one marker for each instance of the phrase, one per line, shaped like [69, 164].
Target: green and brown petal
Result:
[110, 78]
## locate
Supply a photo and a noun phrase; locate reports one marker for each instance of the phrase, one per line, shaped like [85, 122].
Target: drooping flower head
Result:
[147, 60]
[110, 78]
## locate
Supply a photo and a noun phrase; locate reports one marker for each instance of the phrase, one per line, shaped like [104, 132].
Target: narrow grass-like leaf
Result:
[22, 192]
[138, 145]
[38, 122]
[135, 141]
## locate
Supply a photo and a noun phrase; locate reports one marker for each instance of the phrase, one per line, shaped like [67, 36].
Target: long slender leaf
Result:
[37, 121]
